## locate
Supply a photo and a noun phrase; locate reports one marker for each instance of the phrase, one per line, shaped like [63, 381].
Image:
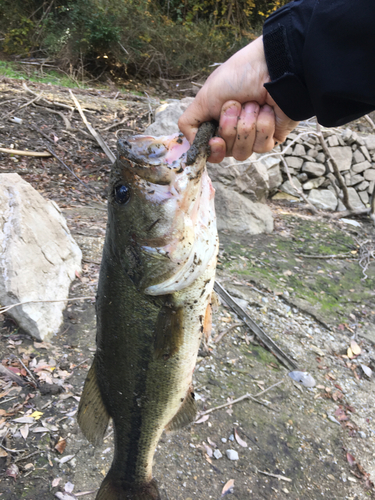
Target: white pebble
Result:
[232, 454]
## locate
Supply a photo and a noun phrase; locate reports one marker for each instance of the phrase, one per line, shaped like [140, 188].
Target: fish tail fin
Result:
[113, 488]
[92, 415]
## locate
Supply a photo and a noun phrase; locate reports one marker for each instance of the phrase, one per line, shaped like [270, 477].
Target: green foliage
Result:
[165, 38]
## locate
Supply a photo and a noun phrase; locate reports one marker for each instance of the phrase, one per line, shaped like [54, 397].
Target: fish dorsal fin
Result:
[186, 414]
[92, 415]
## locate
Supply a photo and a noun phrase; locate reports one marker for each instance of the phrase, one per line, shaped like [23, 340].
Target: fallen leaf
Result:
[209, 441]
[12, 471]
[351, 460]
[240, 441]
[208, 449]
[24, 420]
[60, 445]
[65, 459]
[55, 482]
[228, 487]
[3, 453]
[24, 430]
[355, 348]
[350, 353]
[367, 371]
[36, 415]
[202, 419]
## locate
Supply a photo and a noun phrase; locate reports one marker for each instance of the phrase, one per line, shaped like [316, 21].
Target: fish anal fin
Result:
[186, 413]
[113, 488]
[92, 415]
[207, 323]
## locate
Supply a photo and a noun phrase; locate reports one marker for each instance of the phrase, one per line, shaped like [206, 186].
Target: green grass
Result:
[13, 70]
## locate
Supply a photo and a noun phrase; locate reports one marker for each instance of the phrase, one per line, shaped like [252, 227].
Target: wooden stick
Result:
[238, 400]
[277, 476]
[94, 133]
[18, 152]
[221, 335]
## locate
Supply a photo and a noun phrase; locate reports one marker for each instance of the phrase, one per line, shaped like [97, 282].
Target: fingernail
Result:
[251, 107]
[232, 111]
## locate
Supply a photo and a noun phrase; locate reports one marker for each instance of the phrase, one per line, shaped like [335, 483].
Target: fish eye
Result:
[122, 194]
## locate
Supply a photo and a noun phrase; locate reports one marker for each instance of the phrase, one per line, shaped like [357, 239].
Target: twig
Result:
[335, 256]
[12, 451]
[242, 398]
[221, 335]
[19, 459]
[24, 153]
[81, 363]
[70, 170]
[299, 191]
[46, 101]
[65, 119]
[23, 106]
[277, 476]
[28, 371]
[33, 127]
[84, 493]
[370, 121]
[114, 125]
[258, 332]
[336, 171]
[7, 308]
[91, 129]
[4, 370]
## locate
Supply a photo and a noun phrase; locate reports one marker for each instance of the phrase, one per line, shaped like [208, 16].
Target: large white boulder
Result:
[38, 257]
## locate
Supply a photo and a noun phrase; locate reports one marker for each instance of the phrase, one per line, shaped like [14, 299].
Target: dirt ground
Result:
[293, 442]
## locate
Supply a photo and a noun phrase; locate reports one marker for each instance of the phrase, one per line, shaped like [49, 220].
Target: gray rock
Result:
[360, 167]
[320, 158]
[217, 454]
[302, 177]
[314, 169]
[333, 141]
[312, 152]
[35, 238]
[365, 152]
[294, 162]
[299, 150]
[369, 175]
[343, 157]
[232, 454]
[347, 134]
[275, 177]
[352, 180]
[371, 187]
[364, 185]
[308, 158]
[166, 117]
[370, 142]
[236, 213]
[249, 178]
[364, 196]
[313, 183]
[323, 199]
[358, 156]
[354, 199]
[288, 188]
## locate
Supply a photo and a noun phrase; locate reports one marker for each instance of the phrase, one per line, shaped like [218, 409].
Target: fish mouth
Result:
[154, 159]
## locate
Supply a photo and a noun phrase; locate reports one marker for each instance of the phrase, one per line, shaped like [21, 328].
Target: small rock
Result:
[365, 152]
[201, 369]
[358, 156]
[294, 162]
[302, 177]
[299, 150]
[231, 437]
[323, 198]
[314, 168]
[362, 434]
[365, 198]
[369, 175]
[363, 186]
[343, 157]
[265, 300]
[360, 167]
[354, 198]
[232, 454]
[333, 141]
[224, 440]
[370, 142]
[313, 183]
[289, 189]
[218, 454]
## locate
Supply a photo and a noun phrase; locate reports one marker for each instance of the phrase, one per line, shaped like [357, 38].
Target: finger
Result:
[266, 124]
[230, 113]
[284, 126]
[246, 131]
[217, 146]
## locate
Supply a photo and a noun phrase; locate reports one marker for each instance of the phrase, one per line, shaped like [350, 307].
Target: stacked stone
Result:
[308, 166]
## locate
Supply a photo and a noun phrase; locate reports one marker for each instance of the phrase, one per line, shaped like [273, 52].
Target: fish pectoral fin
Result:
[92, 415]
[186, 414]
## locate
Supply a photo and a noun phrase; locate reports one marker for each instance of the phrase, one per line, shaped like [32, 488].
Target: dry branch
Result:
[94, 133]
[24, 153]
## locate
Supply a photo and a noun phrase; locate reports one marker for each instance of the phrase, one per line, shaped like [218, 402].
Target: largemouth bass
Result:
[154, 292]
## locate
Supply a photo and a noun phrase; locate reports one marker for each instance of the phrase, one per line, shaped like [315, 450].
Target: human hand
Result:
[234, 95]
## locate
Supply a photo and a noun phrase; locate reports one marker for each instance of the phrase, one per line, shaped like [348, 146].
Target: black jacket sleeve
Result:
[321, 59]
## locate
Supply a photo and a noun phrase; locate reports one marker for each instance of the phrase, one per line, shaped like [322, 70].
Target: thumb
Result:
[283, 125]
[193, 117]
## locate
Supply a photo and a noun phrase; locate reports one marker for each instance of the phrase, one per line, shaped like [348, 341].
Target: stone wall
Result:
[308, 166]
